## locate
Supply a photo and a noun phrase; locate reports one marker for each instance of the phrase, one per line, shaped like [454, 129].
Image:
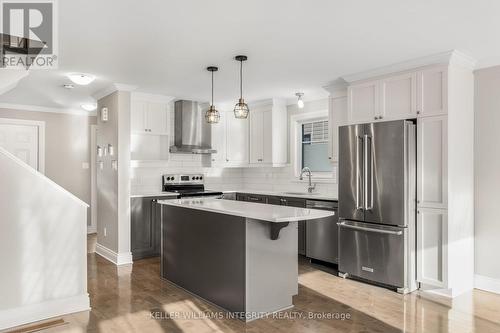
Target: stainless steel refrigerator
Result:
[377, 193]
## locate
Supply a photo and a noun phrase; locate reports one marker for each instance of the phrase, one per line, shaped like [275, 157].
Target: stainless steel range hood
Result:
[192, 133]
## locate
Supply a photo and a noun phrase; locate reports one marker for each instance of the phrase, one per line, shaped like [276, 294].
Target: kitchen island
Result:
[240, 256]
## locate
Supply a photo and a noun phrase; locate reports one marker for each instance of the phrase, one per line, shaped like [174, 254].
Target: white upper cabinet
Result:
[432, 92]
[363, 102]
[268, 134]
[399, 97]
[149, 117]
[236, 140]
[219, 140]
[257, 136]
[432, 247]
[337, 116]
[432, 162]
[138, 114]
[157, 118]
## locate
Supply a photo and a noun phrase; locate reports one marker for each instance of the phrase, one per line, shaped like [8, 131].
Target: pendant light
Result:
[300, 102]
[212, 116]
[241, 108]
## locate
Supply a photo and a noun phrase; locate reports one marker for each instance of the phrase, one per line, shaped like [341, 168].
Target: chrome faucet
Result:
[311, 187]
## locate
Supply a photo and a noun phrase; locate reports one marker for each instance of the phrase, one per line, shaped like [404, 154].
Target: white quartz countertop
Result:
[305, 195]
[271, 213]
[155, 194]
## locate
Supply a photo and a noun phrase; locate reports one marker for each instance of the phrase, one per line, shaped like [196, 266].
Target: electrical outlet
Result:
[105, 232]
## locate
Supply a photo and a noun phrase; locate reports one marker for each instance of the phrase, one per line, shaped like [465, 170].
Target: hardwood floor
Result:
[122, 299]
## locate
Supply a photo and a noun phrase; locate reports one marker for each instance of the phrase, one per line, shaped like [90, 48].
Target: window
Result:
[315, 146]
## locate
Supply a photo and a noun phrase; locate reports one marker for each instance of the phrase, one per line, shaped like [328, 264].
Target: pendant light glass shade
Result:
[212, 116]
[241, 108]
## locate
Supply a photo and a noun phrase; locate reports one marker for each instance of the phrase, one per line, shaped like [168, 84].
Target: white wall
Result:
[43, 246]
[113, 185]
[67, 142]
[487, 176]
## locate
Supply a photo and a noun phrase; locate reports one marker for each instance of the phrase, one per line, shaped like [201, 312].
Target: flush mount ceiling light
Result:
[81, 78]
[212, 116]
[68, 86]
[300, 102]
[89, 107]
[241, 108]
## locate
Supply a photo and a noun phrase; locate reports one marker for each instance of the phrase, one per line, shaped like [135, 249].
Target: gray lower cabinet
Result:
[297, 202]
[145, 227]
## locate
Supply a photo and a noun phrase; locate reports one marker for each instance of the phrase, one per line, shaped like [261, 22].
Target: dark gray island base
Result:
[230, 261]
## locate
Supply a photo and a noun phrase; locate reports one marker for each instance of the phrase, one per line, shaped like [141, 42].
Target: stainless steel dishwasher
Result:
[322, 234]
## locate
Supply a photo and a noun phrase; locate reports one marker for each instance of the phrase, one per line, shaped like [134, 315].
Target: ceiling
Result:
[163, 47]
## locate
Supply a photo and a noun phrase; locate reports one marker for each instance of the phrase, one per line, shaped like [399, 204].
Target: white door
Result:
[432, 246]
[399, 97]
[22, 142]
[432, 162]
[336, 117]
[363, 103]
[236, 140]
[256, 136]
[138, 117]
[157, 118]
[432, 92]
[219, 140]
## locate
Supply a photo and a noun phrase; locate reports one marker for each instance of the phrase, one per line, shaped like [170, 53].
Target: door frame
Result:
[41, 137]
[92, 228]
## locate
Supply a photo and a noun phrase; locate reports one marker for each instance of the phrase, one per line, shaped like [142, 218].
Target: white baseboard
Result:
[41, 311]
[487, 283]
[115, 258]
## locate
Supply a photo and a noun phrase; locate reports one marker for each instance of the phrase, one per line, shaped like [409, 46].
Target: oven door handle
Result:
[380, 231]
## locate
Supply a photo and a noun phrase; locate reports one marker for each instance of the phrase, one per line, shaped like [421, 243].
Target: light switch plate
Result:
[104, 114]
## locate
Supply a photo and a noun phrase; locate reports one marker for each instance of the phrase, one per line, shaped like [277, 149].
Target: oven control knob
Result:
[168, 178]
[172, 178]
[197, 178]
[192, 178]
[201, 178]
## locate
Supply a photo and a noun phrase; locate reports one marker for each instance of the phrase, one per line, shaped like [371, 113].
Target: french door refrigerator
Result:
[377, 193]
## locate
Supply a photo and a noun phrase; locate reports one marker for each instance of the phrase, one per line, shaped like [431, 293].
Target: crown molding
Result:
[267, 102]
[142, 96]
[112, 88]
[335, 87]
[453, 57]
[37, 108]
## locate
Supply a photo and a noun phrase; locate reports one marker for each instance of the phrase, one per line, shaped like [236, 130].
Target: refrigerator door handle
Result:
[358, 176]
[368, 172]
[380, 231]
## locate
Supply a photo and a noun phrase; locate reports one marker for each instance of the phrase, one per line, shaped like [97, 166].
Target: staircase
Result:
[43, 257]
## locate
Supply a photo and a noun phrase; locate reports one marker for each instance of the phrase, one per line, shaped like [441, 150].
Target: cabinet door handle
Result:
[418, 111]
[375, 118]
[260, 160]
